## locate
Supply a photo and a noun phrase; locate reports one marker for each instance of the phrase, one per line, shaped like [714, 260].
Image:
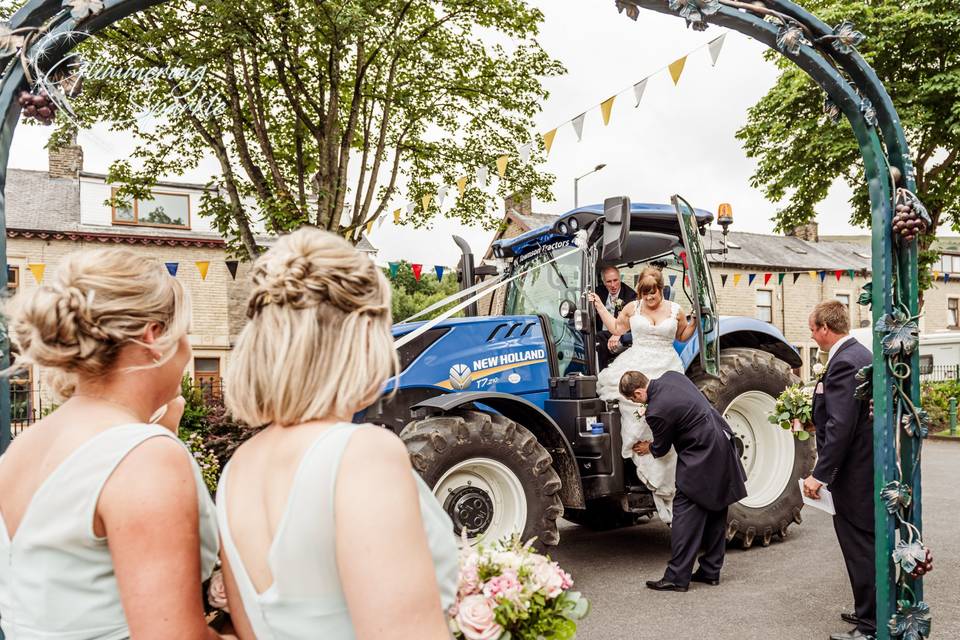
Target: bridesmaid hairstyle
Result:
[96, 303]
[318, 343]
[651, 280]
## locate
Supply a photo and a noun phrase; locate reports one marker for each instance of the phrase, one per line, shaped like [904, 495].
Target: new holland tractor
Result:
[501, 416]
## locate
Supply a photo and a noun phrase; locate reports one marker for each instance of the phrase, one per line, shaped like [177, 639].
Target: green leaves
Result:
[866, 296]
[911, 622]
[916, 425]
[865, 377]
[896, 495]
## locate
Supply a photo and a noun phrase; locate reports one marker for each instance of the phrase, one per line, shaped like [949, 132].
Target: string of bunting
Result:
[38, 269]
[417, 269]
[501, 163]
[820, 275]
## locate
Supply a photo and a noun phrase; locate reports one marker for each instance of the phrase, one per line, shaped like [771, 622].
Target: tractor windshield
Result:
[541, 287]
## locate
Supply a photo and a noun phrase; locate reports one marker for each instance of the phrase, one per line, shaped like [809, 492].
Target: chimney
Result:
[521, 204]
[66, 161]
[806, 232]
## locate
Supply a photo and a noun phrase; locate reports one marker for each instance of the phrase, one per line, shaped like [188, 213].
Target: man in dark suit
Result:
[845, 458]
[709, 475]
[615, 296]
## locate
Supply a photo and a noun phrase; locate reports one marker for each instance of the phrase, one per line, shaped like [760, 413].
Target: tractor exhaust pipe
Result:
[466, 272]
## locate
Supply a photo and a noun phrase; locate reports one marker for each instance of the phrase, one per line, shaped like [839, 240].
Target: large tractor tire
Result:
[490, 474]
[750, 381]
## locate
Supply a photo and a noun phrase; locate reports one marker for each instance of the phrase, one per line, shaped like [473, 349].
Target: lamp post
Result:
[576, 195]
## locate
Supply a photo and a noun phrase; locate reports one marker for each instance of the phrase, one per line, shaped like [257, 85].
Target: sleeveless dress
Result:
[57, 581]
[305, 600]
[652, 354]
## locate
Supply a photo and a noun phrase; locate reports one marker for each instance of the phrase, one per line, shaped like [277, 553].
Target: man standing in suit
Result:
[615, 296]
[709, 475]
[845, 458]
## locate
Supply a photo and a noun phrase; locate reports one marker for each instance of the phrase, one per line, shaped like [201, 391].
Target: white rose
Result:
[476, 620]
[547, 578]
[817, 368]
[508, 560]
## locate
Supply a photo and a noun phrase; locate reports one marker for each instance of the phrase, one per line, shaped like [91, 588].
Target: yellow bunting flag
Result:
[462, 185]
[548, 139]
[605, 108]
[203, 266]
[396, 216]
[502, 165]
[812, 274]
[37, 270]
[676, 68]
[427, 199]
[736, 278]
[370, 227]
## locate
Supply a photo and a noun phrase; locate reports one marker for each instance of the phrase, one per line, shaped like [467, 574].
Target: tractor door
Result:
[697, 271]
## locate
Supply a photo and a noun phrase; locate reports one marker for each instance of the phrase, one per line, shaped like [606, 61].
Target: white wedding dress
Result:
[653, 355]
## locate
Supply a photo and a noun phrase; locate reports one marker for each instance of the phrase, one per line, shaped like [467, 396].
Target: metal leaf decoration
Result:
[908, 554]
[917, 426]
[918, 207]
[910, 622]
[9, 42]
[896, 495]
[847, 37]
[869, 112]
[789, 39]
[865, 377]
[866, 298]
[832, 110]
[902, 334]
[81, 9]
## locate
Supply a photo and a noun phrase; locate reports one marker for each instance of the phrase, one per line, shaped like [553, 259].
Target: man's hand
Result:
[811, 488]
[613, 343]
[642, 448]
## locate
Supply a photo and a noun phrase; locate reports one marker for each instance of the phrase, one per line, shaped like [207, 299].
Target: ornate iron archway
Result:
[829, 57]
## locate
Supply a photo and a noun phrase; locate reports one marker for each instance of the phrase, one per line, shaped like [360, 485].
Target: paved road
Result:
[792, 590]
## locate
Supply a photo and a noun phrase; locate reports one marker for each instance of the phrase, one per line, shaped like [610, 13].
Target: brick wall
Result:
[66, 162]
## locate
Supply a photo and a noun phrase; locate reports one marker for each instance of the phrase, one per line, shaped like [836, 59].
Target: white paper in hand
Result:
[825, 503]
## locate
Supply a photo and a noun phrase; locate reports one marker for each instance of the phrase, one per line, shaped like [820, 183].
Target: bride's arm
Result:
[617, 326]
[684, 329]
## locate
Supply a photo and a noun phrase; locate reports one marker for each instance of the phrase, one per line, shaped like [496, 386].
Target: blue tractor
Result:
[501, 416]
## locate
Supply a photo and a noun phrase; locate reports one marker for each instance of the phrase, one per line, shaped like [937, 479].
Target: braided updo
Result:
[318, 343]
[97, 302]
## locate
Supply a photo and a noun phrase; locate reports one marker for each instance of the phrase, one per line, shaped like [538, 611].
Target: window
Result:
[954, 264]
[813, 354]
[765, 305]
[160, 210]
[926, 364]
[953, 313]
[844, 298]
[13, 279]
[207, 375]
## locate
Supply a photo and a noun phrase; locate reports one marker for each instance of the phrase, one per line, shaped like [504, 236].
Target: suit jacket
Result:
[627, 294]
[708, 466]
[845, 435]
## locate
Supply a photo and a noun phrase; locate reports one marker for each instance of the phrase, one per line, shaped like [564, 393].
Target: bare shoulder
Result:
[158, 458]
[378, 444]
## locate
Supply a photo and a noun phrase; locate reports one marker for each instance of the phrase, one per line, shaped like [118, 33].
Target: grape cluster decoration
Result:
[910, 217]
[38, 106]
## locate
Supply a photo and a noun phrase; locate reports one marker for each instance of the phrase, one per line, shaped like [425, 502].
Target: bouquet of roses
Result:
[510, 592]
[794, 411]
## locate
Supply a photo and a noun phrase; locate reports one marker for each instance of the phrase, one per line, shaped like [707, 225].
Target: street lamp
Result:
[576, 198]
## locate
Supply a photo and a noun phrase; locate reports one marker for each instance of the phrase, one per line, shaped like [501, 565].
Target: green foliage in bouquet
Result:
[794, 403]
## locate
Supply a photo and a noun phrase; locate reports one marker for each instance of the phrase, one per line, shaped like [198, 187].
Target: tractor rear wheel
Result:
[491, 475]
[746, 392]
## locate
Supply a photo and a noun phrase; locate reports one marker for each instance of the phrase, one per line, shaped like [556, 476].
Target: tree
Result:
[317, 112]
[411, 295]
[914, 47]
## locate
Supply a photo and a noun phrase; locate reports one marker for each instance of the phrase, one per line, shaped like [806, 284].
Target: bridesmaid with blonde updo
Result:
[106, 526]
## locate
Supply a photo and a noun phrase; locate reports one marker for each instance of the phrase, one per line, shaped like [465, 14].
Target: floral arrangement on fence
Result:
[794, 411]
[508, 591]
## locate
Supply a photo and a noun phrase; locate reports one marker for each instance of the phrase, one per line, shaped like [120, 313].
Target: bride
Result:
[655, 324]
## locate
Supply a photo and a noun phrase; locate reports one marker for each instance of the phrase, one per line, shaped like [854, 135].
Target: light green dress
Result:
[306, 600]
[56, 577]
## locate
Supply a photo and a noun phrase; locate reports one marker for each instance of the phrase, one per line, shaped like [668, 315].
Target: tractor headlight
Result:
[567, 309]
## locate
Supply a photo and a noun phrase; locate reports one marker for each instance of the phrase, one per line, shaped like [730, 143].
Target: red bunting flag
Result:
[766, 278]
[417, 268]
[838, 273]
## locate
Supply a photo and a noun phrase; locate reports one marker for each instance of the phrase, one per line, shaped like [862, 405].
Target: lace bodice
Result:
[647, 333]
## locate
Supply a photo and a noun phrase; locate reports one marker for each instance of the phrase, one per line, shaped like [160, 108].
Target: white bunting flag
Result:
[411, 207]
[441, 196]
[715, 45]
[380, 221]
[578, 125]
[525, 152]
[482, 174]
[638, 90]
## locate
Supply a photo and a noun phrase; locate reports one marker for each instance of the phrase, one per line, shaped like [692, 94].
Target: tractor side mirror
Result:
[616, 228]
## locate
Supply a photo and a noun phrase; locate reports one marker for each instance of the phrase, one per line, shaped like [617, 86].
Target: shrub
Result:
[936, 401]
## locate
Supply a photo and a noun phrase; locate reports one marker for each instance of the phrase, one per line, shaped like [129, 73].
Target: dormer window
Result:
[162, 209]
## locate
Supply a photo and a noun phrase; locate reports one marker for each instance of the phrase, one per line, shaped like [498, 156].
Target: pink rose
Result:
[217, 592]
[567, 578]
[550, 578]
[506, 586]
[475, 619]
[469, 581]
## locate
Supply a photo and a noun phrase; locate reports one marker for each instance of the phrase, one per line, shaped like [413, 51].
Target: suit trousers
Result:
[856, 544]
[694, 528]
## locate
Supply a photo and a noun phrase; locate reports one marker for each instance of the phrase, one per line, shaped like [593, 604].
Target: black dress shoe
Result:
[850, 617]
[698, 577]
[663, 585]
[856, 634]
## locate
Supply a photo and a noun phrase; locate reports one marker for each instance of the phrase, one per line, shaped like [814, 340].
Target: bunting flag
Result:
[172, 268]
[605, 108]
[780, 277]
[796, 277]
[766, 278]
[548, 139]
[936, 276]
[638, 90]
[946, 278]
[411, 207]
[578, 126]
[370, 227]
[381, 220]
[417, 269]
[736, 279]
[232, 268]
[723, 279]
[676, 68]
[525, 152]
[715, 46]
[394, 268]
[673, 279]
[37, 269]
[396, 216]
[482, 174]
[462, 185]
[441, 195]
[750, 278]
[203, 266]
[838, 273]
[502, 165]
[822, 274]
[427, 199]
[850, 273]
[812, 274]
[439, 270]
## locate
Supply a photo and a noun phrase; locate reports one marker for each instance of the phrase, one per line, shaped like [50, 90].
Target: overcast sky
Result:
[679, 140]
